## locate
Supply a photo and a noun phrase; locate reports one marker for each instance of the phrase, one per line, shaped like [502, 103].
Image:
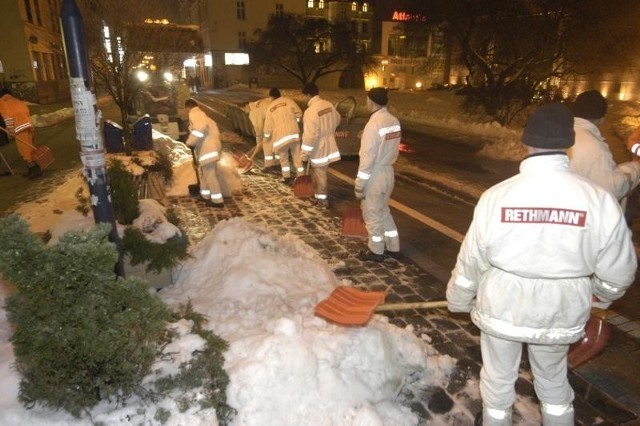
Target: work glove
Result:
[359, 192]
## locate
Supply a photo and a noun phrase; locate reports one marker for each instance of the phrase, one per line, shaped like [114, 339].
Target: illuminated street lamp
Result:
[142, 76]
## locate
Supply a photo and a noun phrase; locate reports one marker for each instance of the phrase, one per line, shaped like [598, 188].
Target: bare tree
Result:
[307, 49]
[120, 42]
[518, 51]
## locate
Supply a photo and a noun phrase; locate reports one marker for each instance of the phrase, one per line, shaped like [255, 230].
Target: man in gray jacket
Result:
[544, 247]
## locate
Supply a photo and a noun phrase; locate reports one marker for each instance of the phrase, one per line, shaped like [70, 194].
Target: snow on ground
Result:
[287, 366]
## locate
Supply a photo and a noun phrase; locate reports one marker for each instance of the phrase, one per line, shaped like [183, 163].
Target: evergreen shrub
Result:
[81, 334]
[124, 193]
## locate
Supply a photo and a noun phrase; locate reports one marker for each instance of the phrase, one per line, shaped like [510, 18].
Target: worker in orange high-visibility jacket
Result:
[17, 118]
[204, 139]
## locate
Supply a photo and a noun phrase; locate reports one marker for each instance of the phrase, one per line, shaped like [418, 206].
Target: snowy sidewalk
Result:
[268, 203]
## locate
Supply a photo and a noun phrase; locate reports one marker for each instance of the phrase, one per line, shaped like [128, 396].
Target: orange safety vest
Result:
[17, 118]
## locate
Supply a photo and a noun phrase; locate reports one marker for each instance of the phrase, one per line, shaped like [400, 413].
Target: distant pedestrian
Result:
[543, 247]
[282, 129]
[204, 139]
[319, 145]
[17, 118]
[194, 83]
[257, 111]
[379, 148]
[591, 156]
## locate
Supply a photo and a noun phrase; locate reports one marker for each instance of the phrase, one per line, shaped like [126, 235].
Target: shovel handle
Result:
[416, 305]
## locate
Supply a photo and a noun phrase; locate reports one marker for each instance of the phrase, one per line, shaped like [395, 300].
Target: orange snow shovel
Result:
[42, 155]
[244, 162]
[350, 306]
[303, 185]
[597, 332]
[353, 224]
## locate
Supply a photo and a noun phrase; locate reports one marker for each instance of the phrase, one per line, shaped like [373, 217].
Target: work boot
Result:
[369, 256]
[287, 180]
[394, 254]
[34, 172]
[322, 204]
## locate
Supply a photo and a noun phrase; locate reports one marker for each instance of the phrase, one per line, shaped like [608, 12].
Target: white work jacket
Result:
[379, 145]
[591, 157]
[204, 137]
[281, 123]
[257, 115]
[319, 135]
[540, 245]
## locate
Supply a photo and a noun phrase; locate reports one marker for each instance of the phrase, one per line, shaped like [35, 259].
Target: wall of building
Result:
[33, 60]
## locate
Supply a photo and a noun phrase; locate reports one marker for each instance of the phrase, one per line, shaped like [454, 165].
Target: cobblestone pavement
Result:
[269, 203]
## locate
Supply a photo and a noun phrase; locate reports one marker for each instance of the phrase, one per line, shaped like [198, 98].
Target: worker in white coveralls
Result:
[257, 112]
[543, 248]
[379, 148]
[319, 145]
[204, 139]
[281, 128]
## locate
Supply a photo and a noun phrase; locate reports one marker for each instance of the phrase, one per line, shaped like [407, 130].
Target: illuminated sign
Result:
[404, 16]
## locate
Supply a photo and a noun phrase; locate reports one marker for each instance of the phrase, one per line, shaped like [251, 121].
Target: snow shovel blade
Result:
[244, 162]
[303, 187]
[350, 306]
[353, 224]
[597, 332]
[43, 156]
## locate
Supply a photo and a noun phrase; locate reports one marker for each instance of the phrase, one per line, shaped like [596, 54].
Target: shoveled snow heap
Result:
[286, 365]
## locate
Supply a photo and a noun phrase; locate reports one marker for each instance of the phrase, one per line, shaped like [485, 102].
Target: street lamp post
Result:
[88, 117]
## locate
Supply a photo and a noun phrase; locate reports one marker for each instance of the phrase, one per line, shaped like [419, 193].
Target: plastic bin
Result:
[142, 140]
[113, 136]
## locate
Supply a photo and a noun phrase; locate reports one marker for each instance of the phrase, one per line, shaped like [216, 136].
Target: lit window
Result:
[310, 4]
[354, 6]
[365, 7]
[236, 59]
[320, 4]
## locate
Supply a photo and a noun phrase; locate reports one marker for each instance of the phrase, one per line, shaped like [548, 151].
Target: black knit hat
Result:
[310, 89]
[378, 95]
[550, 127]
[274, 93]
[590, 104]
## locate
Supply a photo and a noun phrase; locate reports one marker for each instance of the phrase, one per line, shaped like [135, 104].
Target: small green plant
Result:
[84, 206]
[157, 256]
[205, 370]
[124, 193]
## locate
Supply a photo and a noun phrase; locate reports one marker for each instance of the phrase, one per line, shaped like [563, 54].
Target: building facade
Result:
[32, 58]
[227, 27]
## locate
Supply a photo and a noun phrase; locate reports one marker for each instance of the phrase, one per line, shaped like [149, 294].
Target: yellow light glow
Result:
[418, 84]
[142, 75]
[371, 81]
[168, 76]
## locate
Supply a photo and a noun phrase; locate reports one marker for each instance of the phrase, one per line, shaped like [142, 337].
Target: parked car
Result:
[350, 128]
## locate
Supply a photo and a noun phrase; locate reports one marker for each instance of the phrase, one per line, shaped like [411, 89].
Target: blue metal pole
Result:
[88, 120]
